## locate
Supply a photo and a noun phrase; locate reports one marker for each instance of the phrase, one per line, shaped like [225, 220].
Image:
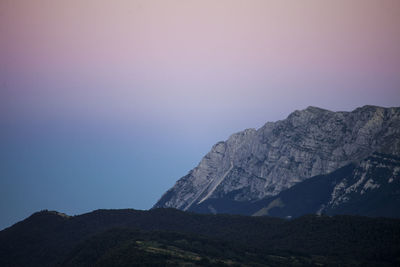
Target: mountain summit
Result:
[246, 172]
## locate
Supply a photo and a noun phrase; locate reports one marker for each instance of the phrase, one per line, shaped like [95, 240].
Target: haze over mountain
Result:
[262, 172]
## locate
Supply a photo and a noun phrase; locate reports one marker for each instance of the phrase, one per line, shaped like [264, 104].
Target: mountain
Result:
[168, 237]
[248, 173]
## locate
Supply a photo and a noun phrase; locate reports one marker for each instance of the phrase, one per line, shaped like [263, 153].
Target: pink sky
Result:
[183, 61]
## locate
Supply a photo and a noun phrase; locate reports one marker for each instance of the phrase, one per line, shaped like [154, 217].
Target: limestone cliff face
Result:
[254, 164]
[370, 187]
[375, 181]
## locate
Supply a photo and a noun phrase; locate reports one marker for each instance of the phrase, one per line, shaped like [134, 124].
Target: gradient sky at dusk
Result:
[105, 104]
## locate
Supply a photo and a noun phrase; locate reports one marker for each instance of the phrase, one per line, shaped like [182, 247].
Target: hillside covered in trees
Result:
[171, 237]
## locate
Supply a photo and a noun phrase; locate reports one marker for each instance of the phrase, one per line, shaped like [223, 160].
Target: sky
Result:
[106, 104]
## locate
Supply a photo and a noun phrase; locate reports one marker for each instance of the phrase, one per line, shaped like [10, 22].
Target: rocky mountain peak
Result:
[254, 164]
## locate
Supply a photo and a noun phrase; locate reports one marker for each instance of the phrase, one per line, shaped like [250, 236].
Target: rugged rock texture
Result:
[370, 187]
[259, 164]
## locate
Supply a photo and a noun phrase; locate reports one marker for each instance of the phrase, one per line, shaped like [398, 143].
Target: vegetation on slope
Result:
[170, 237]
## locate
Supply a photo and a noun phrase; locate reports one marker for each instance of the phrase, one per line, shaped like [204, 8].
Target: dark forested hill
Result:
[170, 237]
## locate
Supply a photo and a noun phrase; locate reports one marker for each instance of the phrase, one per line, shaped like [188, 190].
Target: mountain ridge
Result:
[257, 163]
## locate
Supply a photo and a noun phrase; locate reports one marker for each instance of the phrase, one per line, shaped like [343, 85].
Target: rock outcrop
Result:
[370, 187]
